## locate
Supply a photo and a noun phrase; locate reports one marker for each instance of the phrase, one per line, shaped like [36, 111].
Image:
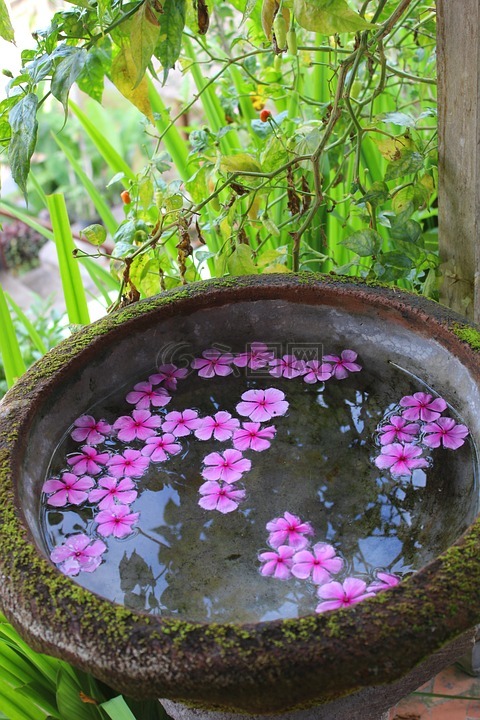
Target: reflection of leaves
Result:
[134, 571]
[134, 601]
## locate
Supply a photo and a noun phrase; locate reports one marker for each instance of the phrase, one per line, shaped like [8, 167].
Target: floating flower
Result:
[140, 425]
[401, 459]
[258, 356]
[421, 406]
[343, 364]
[317, 371]
[384, 581]
[337, 595]
[89, 430]
[262, 405]
[288, 367]
[251, 436]
[398, 430]
[223, 498]
[117, 521]
[277, 564]
[78, 553]
[222, 426]
[228, 466]
[111, 490]
[290, 530]
[168, 375]
[88, 461]
[68, 488]
[158, 448]
[319, 563]
[212, 363]
[181, 423]
[446, 432]
[129, 464]
[143, 396]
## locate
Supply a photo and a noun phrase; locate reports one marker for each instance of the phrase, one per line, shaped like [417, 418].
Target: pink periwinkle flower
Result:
[89, 430]
[140, 425]
[168, 375]
[401, 459]
[78, 553]
[117, 521]
[223, 498]
[88, 461]
[181, 423]
[337, 595]
[384, 581]
[262, 405]
[398, 429]
[251, 436]
[143, 396]
[258, 356]
[69, 488]
[288, 367]
[113, 490]
[319, 563]
[228, 466]
[213, 362]
[343, 363]
[222, 426]
[446, 432]
[421, 406]
[131, 463]
[158, 448]
[317, 371]
[279, 563]
[289, 530]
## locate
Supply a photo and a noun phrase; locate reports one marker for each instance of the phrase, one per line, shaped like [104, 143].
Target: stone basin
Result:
[331, 665]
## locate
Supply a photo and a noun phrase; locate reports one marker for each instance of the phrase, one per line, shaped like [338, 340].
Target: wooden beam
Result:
[458, 49]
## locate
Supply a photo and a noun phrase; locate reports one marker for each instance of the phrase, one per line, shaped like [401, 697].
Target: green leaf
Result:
[124, 77]
[364, 242]
[249, 8]
[97, 65]
[408, 163]
[243, 162]
[414, 195]
[12, 358]
[196, 186]
[94, 234]
[65, 74]
[399, 118]
[23, 121]
[6, 29]
[409, 231]
[69, 701]
[144, 34]
[172, 22]
[328, 17]
[376, 195]
[241, 262]
[117, 709]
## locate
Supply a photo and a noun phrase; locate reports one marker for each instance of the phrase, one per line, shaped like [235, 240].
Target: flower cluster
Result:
[416, 424]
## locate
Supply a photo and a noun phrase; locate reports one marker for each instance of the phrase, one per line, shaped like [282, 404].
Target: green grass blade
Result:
[9, 348]
[29, 327]
[73, 290]
[26, 218]
[173, 141]
[117, 709]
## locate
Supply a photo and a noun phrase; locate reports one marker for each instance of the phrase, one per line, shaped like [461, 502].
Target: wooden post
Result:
[458, 49]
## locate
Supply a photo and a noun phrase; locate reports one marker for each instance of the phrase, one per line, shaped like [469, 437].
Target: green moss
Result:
[468, 334]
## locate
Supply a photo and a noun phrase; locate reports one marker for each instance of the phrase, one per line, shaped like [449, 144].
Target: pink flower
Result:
[168, 376]
[337, 595]
[68, 489]
[288, 367]
[288, 529]
[87, 461]
[181, 423]
[130, 464]
[258, 356]
[277, 563]
[421, 406]
[321, 562]
[89, 430]
[117, 521]
[112, 489]
[213, 363]
[78, 553]
[344, 364]
[221, 426]
[398, 430]
[317, 371]
[228, 466]
[252, 436]
[446, 432]
[384, 581]
[140, 425]
[262, 405]
[143, 395]
[223, 498]
[158, 448]
[401, 459]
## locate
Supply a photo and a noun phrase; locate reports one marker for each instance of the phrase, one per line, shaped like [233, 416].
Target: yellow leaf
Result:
[124, 77]
[392, 148]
